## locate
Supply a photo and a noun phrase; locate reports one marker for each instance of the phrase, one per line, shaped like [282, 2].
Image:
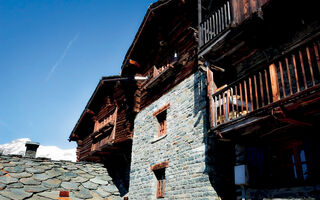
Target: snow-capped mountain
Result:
[53, 152]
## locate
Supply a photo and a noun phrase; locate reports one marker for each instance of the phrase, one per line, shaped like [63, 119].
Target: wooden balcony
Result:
[291, 76]
[104, 132]
[215, 25]
[159, 75]
[230, 13]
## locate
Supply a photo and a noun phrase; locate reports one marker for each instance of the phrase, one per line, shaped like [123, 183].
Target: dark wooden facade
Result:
[164, 49]
[263, 73]
[106, 125]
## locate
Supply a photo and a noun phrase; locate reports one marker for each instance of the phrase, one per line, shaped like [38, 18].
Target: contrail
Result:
[53, 68]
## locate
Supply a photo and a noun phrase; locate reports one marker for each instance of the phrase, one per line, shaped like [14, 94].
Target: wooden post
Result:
[211, 87]
[274, 83]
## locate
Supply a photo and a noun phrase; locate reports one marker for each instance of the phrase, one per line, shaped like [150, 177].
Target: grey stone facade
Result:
[183, 145]
[36, 178]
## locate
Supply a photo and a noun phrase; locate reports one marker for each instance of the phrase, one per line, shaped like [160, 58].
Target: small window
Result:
[161, 178]
[161, 116]
[160, 173]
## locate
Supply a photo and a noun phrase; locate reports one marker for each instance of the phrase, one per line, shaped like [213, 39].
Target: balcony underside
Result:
[301, 109]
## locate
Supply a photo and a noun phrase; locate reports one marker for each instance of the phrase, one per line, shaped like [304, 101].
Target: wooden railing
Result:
[292, 73]
[215, 24]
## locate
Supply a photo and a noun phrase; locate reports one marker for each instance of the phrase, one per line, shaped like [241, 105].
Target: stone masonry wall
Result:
[39, 179]
[183, 145]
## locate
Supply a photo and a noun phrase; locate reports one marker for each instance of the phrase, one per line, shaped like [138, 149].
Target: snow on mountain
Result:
[55, 153]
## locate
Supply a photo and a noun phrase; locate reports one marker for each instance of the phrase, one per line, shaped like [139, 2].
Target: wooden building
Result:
[104, 131]
[263, 79]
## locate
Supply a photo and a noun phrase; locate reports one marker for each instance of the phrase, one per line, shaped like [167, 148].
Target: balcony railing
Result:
[293, 73]
[219, 20]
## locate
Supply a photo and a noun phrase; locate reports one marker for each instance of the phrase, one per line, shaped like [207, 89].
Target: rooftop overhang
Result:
[162, 9]
[89, 111]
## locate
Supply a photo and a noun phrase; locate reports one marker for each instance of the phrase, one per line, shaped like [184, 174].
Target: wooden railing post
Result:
[274, 83]
[211, 87]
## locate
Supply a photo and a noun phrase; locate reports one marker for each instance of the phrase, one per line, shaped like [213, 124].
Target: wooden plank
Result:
[246, 94]
[213, 25]
[237, 107]
[310, 66]
[267, 86]
[295, 72]
[227, 106]
[241, 97]
[282, 80]
[220, 109]
[251, 98]
[210, 89]
[225, 15]
[303, 72]
[256, 91]
[216, 111]
[274, 83]
[223, 108]
[316, 51]
[289, 75]
[261, 89]
[229, 12]
[232, 102]
[222, 18]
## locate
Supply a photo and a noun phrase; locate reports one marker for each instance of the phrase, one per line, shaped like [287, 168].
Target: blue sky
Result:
[52, 55]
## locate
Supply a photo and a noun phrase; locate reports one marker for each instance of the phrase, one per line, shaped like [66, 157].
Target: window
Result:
[294, 162]
[160, 173]
[161, 116]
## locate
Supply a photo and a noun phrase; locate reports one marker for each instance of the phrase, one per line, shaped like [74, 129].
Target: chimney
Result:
[31, 149]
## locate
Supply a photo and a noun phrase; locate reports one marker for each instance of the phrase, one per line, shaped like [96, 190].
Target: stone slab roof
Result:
[40, 178]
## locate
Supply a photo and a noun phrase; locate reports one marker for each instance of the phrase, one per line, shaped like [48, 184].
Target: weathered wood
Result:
[241, 98]
[261, 89]
[303, 72]
[227, 105]
[289, 75]
[251, 97]
[316, 51]
[210, 90]
[310, 66]
[267, 86]
[282, 80]
[237, 106]
[246, 95]
[256, 91]
[295, 72]
[274, 83]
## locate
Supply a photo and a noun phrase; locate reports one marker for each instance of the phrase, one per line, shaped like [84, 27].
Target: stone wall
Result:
[183, 145]
[36, 178]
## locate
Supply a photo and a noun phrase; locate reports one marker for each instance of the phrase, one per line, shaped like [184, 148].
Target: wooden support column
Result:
[211, 87]
[274, 83]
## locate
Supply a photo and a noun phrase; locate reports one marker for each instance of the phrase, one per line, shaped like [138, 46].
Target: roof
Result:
[152, 8]
[86, 109]
[40, 178]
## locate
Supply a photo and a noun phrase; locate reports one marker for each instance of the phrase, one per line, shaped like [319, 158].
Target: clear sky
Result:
[52, 55]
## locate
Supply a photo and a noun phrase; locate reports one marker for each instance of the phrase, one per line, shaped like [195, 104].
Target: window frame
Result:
[161, 115]
[159, 171]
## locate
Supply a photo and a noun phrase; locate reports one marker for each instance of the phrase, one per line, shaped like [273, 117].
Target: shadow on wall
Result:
[219, 166]
[119, 171]
[219, 156]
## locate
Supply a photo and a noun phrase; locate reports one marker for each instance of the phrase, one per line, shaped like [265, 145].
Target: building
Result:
[263, 73]
[227, 107]
[168, 149]
[104, 131]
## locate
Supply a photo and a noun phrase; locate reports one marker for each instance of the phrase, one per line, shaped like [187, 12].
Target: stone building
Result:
[224, 103]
